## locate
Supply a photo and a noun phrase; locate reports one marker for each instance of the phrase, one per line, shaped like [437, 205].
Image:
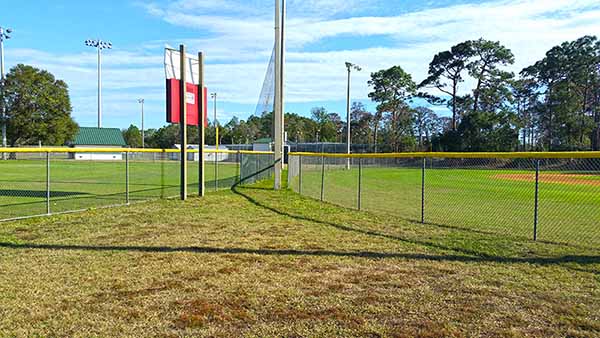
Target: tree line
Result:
[551, 105]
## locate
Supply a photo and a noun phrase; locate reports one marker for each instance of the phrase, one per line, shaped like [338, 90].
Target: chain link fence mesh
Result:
[553, 199]
[34, 183]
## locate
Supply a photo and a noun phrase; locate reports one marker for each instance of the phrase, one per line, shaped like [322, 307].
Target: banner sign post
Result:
[183, 125]
[187, 105]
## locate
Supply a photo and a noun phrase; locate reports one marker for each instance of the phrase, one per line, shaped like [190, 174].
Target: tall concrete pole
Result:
[3, 35]
[278, 111]
[349, 66]
[283, 138]
[348, 125]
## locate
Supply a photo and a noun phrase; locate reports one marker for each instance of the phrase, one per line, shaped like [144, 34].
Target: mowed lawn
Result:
[480, 200]
[78, 185]
[258, 263]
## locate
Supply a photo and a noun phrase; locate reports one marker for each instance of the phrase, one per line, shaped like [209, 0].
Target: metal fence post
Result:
[127, 177]
[300, 174]
[256, 168]
[537, 190]
[239, 166]
[423, 190]
[359, 183]
[48, 182]
[163, 158]
[322, 177]
[216, 171]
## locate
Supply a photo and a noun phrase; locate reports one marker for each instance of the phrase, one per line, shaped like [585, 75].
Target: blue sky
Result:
[237, 38]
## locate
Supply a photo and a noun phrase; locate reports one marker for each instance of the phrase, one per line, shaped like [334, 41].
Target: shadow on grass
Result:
[38, 193]
[460, 255]
[290, 252]
[467, 255]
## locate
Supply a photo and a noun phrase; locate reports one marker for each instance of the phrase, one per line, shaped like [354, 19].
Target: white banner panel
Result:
[173, 69]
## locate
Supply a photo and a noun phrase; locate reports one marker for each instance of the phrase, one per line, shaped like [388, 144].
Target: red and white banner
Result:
[172, 73]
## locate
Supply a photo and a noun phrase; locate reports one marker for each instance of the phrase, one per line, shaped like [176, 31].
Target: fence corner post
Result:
[239, 166]
[216, 169]
[322, 178]
[359, 201]
[299, 174]
[48, 211]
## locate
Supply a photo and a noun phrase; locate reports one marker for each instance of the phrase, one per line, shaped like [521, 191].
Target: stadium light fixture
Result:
[99, 45]
[4, 35]
[349, 67]
[141, 101]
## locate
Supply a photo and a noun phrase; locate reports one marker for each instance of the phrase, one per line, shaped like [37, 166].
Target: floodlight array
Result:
[350, 66]
[98, 44]
[5, 33]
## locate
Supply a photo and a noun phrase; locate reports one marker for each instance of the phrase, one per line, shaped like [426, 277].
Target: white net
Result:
[267, 94]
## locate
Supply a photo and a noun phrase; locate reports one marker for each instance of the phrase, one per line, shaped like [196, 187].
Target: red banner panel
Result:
[191, 99]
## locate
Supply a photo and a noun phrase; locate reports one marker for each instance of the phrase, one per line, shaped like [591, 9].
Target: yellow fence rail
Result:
[38, 181]
[125, 150]
[504, 155]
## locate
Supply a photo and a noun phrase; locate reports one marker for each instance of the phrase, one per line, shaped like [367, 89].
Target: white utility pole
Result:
[278, 135]
[283, 133]
[278, 111]
[349, 67]
[100, 45]
[143, 139]
[4, 35]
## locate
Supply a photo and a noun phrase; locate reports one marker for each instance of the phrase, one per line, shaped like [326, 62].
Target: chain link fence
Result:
[546, 197]
[42, 182]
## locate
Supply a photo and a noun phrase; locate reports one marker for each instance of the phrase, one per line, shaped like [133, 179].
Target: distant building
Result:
[263, 144]
[221, 157]
[90, 137]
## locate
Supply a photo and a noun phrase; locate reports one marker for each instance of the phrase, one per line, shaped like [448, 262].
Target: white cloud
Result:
[528, 27]
[237, 38]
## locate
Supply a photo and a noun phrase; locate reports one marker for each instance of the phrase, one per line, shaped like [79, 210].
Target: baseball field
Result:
[76, 185]
[500, 201]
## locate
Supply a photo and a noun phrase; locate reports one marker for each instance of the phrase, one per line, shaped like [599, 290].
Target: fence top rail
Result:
[125, 150]
[530, 155]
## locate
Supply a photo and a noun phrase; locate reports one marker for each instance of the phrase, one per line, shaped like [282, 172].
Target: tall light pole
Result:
[141, 101]
[349, 67]
[99, 45]
[214, 97]
[4, 35]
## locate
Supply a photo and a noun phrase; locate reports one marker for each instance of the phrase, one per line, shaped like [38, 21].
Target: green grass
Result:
[259, 263]
[84, 184]
[468, 199]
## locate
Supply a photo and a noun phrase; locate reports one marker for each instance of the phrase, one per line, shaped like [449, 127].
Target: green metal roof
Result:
[99, 137]
[264, 140]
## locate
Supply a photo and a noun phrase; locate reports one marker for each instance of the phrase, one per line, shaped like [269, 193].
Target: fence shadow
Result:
[582, 260]
[38, 193]
[464, 255]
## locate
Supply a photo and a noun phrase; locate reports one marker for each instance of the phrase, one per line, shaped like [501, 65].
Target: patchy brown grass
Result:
[260, 263]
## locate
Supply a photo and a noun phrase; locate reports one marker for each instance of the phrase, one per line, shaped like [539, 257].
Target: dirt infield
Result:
[571, 179]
